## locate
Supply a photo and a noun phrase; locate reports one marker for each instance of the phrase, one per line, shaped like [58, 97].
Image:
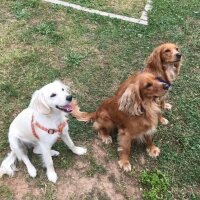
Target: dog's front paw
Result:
[32, 171]
[153, 151]
[125, 165]
[52, 176]
[164, 121]
[79, 150]
[167, 106]
[54, 153]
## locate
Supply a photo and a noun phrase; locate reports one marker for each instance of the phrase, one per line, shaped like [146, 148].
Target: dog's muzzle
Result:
[67, 108]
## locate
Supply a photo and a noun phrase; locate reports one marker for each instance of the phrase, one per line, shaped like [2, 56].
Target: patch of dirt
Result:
[20, 187]
[75, 184]
[114, 184]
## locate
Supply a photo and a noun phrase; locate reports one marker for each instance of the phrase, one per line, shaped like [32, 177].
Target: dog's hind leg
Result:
[103, 132]
[37, 150]
[21, 152]
[104, 135]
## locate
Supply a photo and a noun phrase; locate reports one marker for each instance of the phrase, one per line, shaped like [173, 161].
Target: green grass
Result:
[157, 185]
[131, 8]
[41, 42]
[5, 193]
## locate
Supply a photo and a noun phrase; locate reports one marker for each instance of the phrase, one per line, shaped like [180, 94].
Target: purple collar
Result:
[163, 81]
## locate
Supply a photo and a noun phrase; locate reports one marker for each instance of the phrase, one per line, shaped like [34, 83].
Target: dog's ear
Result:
[39, 103]
[130, 101]
[154, 61]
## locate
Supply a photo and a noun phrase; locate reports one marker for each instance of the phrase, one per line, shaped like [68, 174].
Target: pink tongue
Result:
[68, 108]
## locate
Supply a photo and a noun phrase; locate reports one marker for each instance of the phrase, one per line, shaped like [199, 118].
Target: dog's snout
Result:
[165, 86]
[69, 98]
[178, 55]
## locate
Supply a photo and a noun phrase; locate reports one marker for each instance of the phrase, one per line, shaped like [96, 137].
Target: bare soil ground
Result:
[76, 183]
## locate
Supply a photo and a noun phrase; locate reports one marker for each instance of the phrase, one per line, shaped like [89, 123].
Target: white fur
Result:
[20, 136]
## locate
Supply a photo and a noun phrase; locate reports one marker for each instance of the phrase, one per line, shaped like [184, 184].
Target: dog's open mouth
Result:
[66, 108]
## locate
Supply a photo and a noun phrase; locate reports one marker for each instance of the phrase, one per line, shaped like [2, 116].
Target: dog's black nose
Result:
[69, 98]
[178, 55]
[165, 86]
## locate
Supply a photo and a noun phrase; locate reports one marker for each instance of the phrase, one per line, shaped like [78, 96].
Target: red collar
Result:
[49, 131]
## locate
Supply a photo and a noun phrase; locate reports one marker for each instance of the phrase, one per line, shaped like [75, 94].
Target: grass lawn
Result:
[131, 8]
[40, 42]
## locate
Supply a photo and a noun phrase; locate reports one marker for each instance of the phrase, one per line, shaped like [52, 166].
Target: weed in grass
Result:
[21, 9]
[45, 28]
[156, 185]
[8, 89]
[73, 59]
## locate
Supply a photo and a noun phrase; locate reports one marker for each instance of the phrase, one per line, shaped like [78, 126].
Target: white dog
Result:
[40, 125]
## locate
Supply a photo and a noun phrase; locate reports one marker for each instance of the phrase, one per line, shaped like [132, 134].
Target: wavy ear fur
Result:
[154, 61]
[130, 101]
[39, 103]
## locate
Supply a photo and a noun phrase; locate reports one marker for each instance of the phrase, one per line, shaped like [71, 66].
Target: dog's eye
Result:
[167, 50]
[53, 95]
[62, 89]
[148, 85]
[177, 49]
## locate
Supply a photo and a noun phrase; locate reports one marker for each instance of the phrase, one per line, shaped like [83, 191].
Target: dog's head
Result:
[52, 97]
[165, 54]
[145, 87]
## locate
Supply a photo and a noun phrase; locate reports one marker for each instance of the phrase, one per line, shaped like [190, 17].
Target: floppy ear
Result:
[130, 101]
[39, 103]
[154, 60]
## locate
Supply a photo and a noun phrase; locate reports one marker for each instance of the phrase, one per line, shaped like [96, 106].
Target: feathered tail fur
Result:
[8, 165]
[81, 116]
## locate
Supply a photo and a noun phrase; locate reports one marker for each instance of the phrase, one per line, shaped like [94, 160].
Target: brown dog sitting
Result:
[164, 62]
[133, 111]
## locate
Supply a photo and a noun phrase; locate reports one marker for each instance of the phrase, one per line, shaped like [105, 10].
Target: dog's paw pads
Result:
[125, 165]
[164, 121]
[79, 150]
[168, 106]
[52, 176]
[154, 152]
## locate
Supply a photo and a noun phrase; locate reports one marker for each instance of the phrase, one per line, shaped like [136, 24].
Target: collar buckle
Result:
[51, 131]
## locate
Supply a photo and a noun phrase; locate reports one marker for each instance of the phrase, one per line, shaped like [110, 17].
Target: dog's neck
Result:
[170, 71]
[55, 117]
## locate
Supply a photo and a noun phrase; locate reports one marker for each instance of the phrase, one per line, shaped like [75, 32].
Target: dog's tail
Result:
[8, 166]
[81, 116]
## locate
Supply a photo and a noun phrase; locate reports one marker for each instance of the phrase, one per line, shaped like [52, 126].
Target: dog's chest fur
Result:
[171, 72]
[150, 120]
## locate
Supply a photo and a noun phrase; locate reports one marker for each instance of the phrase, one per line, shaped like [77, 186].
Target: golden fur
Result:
[133, 111]
[163, 62]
